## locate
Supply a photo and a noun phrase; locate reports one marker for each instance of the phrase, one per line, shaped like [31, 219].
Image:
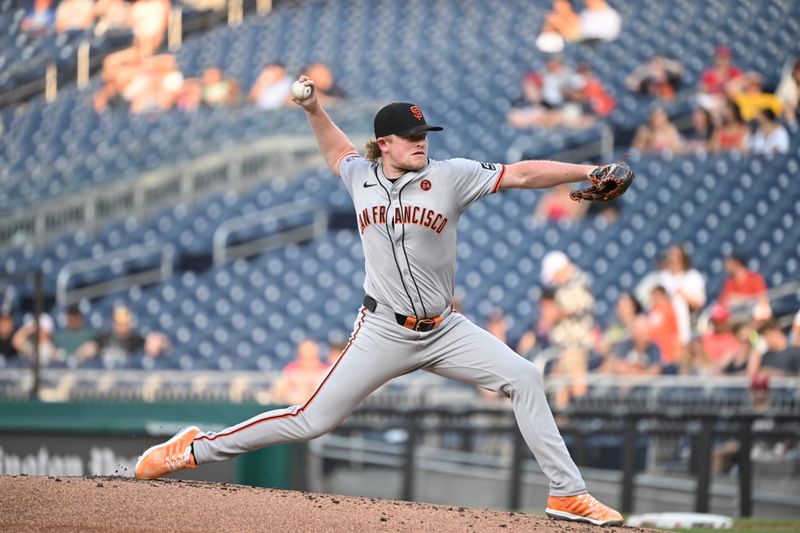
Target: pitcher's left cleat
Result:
[582, 508]
[168, 457]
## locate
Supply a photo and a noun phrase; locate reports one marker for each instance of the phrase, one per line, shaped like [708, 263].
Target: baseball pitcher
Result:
[407, 208]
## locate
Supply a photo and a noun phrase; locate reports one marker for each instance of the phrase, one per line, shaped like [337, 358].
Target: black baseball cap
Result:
[401, 118]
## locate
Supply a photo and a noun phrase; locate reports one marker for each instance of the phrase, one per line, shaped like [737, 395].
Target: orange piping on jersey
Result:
[339, 160]
[499, 179]
[305, 405]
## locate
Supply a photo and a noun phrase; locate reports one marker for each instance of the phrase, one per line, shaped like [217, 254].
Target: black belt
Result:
[410, 322]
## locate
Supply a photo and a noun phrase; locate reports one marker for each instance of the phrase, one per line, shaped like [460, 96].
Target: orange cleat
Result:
[582, 508]
[168, 457]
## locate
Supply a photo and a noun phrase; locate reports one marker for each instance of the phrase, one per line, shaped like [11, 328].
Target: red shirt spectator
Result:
[720, 343]
[741, 284]
[715, 78]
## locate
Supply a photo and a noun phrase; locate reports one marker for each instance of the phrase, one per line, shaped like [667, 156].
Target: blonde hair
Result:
[373, 150]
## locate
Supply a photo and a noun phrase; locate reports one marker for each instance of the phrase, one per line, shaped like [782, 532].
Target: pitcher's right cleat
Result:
[582, 508]
[168, 457]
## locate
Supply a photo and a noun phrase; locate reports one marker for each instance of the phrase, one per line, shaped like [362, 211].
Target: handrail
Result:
[416, 387]
[65, 296]
[229, 170]
[223, 253]
[177, 30]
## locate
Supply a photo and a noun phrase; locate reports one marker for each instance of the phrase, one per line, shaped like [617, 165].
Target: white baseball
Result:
[300, 90]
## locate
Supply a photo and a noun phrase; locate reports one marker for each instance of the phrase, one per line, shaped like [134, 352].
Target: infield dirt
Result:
[30, 503]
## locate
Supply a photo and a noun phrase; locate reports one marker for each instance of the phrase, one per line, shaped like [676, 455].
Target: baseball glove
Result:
[608, 182]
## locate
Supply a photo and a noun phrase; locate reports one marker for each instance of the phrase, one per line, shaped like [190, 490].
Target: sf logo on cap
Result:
[416, 111]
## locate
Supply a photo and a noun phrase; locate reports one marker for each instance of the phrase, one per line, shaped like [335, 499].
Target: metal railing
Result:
[177, 29]
[231, 170]
[700, 427]
[163, 270]
[223, 253]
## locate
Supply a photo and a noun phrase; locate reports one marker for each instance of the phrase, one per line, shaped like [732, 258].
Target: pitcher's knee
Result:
[317, 428]
[528, 378]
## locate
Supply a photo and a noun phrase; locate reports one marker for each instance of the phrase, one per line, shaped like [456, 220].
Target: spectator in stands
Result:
[530, 110]
[23, 339]
[335, 350]
[749, 95]
[736, 363]
[496, 325]
[538, 336]
[664, 328]
[271, 90]
[742, 285]
[686, 287]
[556, 206]
[572, 334]
[599, 21]
[74, 15]
[795, 336]
[588, 91]
[149, 20]
[699, 138]
[626, 310]
[697, 361]
[39, 21]
[301, 377]
[658, 78]
[556, 82]
[714, 80]
[652, 279]
[561, 24]
[780, 358]
[788, 92]
[328, 91]
[638, 355]
[217, 89]
[113, 18]
[149, 84]
[733, 133]
[119, 344]
[720, 342]
[75, 335]
[770, 137]
[7, 328]
[189, 96]
[658, 134]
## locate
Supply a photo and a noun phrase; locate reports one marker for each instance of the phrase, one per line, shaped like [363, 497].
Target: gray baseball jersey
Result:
[408, 227]
[408, 230]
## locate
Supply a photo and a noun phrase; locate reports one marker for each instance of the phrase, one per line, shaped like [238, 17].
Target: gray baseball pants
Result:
[380, 350]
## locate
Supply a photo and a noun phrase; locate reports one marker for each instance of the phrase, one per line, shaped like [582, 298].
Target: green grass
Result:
[753, 525]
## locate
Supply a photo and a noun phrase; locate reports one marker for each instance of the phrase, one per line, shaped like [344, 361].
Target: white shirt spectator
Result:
[600, 21]
[776, 142]
[692, 284]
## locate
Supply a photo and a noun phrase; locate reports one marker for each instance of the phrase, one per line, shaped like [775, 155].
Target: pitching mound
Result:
[123, 504]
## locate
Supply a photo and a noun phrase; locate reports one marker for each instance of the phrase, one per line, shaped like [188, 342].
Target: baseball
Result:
[300, 90]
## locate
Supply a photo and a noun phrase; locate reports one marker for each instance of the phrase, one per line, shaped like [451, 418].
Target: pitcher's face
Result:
[408, 153]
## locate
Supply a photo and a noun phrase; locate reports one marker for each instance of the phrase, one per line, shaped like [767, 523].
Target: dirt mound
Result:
[123, 504]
